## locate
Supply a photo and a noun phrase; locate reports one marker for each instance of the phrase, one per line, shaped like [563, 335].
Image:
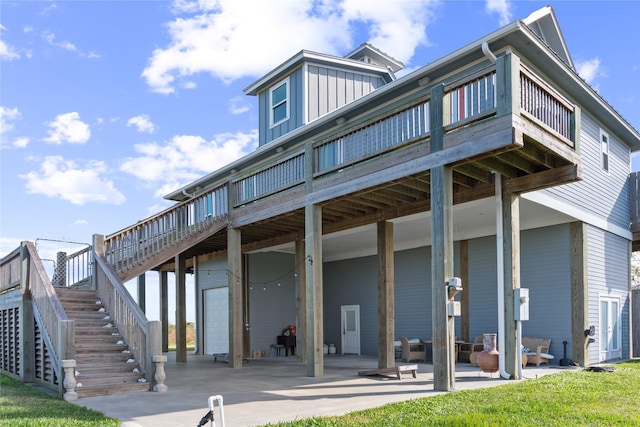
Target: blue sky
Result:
[106, 106]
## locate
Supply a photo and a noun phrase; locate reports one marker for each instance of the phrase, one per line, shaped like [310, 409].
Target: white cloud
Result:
[51, 39]
[142, 123]
[68, 128]
[502, 8]
[239, 105]
[21, 142]
[219, 37]
[80, 222]
[7, 52]
[589, 70]
[7, 117]
[64, 179]
[186, 158]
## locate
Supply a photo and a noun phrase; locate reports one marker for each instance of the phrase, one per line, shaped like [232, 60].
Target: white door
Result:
[350, 329]
[610, 334]
[216, 321]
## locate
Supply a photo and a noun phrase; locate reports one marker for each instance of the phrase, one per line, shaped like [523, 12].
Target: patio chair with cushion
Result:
[466, 348]
[413, 350]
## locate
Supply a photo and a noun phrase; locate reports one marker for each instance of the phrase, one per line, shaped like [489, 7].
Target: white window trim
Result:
[603, 153]
[286, 101]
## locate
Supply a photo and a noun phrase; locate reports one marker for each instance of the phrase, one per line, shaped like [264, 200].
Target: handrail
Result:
[48, 311]
[126, 314]
[373, 138]
[151, 236]
[10, 271]
[77, 268]
[543, 103]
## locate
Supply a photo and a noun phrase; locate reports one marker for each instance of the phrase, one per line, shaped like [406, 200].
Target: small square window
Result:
[279, 102]
[604, 145]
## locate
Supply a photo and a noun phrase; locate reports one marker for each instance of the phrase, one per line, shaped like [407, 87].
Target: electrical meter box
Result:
[521, 303]
[453, 308]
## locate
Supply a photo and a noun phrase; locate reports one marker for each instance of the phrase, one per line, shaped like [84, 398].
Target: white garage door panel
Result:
[216, 321]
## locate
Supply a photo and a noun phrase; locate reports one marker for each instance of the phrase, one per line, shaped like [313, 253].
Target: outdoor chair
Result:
[413, 350]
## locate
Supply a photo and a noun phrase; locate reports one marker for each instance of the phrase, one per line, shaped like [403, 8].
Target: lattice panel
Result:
[10, 340]
[43, 368]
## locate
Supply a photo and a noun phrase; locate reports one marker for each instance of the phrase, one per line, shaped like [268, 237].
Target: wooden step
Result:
[106, 366]
[106, 390]
[100, 362]
[88, 379]
[103, 357]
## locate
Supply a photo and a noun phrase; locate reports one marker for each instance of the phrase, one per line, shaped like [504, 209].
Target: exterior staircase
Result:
[104, 363]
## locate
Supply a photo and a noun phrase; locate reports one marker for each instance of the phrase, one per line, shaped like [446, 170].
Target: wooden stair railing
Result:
[148, 243]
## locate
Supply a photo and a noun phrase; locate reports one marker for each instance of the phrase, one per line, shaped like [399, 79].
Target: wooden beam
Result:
[548, 178]
[314, 306]
[164, 309]
[386, 286]
[511, 275]
[235, 280]
[301, 299]
[464, 296]
[181, 309]
[142, 292]
[579, 293]
[441, 272]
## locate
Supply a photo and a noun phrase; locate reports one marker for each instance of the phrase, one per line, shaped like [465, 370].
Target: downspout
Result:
[500, 259]
[487, 52]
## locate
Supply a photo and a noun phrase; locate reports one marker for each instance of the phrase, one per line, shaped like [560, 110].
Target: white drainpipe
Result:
[500, 257]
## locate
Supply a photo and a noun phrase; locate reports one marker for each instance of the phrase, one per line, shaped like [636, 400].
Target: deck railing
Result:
[468, 100]
[10, 271]
[471, 98]
[55, 332]
[545, 104]
[402, 127]
[155, 234]
[140, 334]
[286, 173]
[73, 269]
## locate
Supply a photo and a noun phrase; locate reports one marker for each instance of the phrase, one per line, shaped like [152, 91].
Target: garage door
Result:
[216, 321]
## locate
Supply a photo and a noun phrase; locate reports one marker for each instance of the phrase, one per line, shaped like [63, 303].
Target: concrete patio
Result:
[277, 389]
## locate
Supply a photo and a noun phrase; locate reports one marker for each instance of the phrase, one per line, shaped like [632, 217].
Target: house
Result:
[496, 164]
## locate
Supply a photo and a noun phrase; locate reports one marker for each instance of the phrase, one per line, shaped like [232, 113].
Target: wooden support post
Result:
[246, 308]
[441, 252]
[142, 292]
[98, 251]
[507, 84]
[511, 274]
[464, 295]
[579, 293]
[164, 309]
[386, 284]
[181, 309]
[313, 266]
[234, 266]
[441, 272]
[301, 300]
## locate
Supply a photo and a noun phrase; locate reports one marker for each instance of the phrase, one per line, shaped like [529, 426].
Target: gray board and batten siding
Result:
[545, 271]
[327, 89]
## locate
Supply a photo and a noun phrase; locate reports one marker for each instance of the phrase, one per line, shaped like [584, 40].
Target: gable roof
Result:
[544, 24]
[365, 50]
[384, 70]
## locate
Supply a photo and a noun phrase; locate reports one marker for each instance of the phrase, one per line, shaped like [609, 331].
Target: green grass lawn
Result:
[25, 406]
[570, 398]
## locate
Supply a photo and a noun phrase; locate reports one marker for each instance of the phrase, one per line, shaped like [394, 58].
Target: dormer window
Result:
[279, 102]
